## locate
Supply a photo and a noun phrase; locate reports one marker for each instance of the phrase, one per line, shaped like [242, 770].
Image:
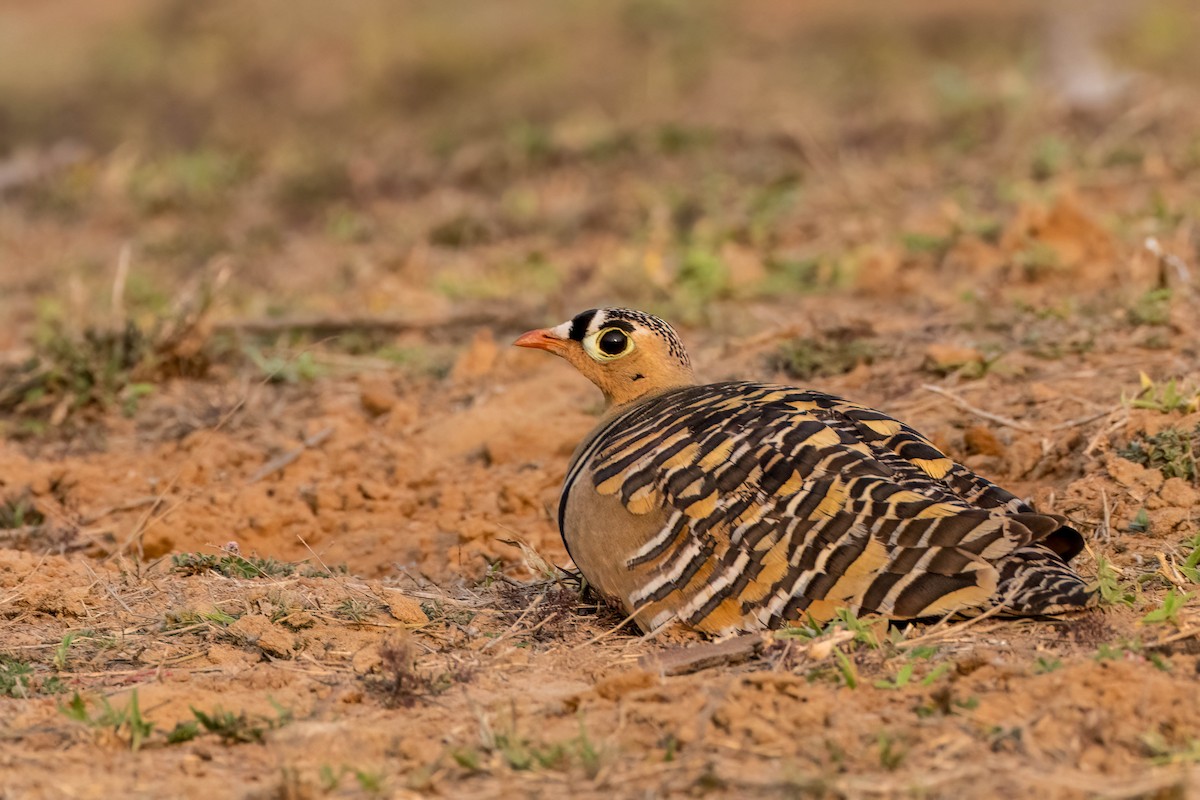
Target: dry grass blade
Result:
[950, 631]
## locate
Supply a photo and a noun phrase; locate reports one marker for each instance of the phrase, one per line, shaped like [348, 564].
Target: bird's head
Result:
[628, 354]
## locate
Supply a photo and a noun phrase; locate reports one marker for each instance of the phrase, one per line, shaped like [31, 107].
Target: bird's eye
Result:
[611, 343]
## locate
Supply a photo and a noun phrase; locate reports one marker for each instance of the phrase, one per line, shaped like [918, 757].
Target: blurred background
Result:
[388, 155]
[514, 163]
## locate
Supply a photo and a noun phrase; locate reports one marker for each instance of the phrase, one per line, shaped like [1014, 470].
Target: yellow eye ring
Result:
[608, 344]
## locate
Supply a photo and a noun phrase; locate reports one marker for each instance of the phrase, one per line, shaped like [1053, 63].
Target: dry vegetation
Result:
[275, 498]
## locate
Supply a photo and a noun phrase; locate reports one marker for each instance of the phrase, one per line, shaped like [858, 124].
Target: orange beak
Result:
[541, 339]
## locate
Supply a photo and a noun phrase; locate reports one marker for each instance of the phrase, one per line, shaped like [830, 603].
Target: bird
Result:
[740, 506]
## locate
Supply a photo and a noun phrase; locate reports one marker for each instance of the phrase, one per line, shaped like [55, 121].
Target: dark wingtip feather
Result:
[1034, 580]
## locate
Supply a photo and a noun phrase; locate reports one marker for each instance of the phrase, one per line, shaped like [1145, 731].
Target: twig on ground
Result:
[129, 505]
[285, 459]
[1007, 422]
[1100, 436]
[1084, 420]
[1175, 637]
[684, 660]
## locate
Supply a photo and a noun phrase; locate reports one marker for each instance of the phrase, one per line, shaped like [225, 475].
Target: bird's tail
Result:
[1035, 580]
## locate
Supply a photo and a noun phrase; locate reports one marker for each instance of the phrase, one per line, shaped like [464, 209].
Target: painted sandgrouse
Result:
[740, 506]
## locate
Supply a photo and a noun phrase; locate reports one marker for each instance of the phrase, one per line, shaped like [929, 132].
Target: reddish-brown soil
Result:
[350, 218]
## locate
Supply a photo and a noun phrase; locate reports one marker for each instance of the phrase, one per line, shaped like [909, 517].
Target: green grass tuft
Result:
[1171, 451]
[232, 565]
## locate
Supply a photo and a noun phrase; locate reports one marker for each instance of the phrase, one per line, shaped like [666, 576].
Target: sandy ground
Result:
[327, 390]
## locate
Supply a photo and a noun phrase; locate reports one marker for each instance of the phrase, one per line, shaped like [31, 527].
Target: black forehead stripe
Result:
[619, 323]
[579, 324]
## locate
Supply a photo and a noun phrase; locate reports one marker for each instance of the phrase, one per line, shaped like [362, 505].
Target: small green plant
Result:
[1191, 563]
[589, 757]
[1140, 522]
[330, 779]
[232, 565]
[942, 702]
[703, 275]
[197, 179]
[1172, 395]
[1037, 260]
[1131, 650]
[240, 728]
[183, 732]
[1172, 604]
[230, 727]
[520, 753]
[846, 668]
[1046, 664]
[1161, 664]
[804, 359]
[891, 753]
[935, 674]
[62, 651]
[902, 678]
[128, 718]
[1049, 157]
[1109, 586]
[301, 368]
[19, 511]
[917, 243]
[673, 138]
[437, 611]
[461, 230]
[100, 368]
[20, 679]
[14, 677]
[1162, 752]
[219, 617]
[370, 782]
[864, 630]
[1171, 451]
[1152, 308]
[467, 758]
[354, 609]
[307, 186]
[786, 275]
